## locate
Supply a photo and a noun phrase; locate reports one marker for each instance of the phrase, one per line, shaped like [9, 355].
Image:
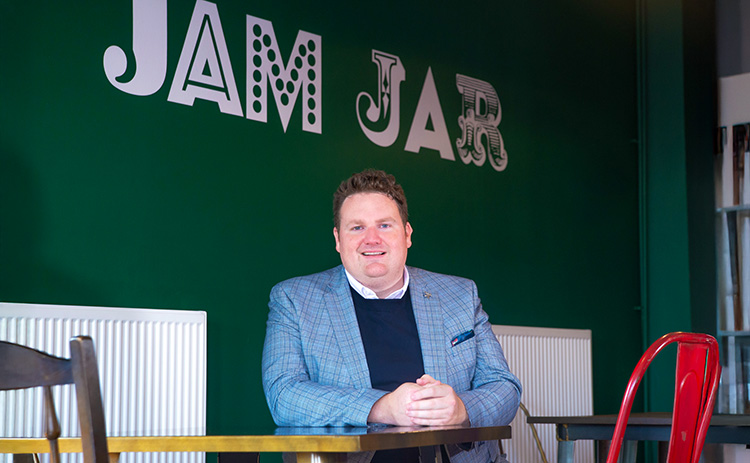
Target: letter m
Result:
[302, 73]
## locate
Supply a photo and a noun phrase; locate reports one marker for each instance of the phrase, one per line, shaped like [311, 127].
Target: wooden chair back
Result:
[696, 381]
[22, 367]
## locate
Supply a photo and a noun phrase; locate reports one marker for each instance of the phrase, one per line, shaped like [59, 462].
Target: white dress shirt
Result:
[367, 293]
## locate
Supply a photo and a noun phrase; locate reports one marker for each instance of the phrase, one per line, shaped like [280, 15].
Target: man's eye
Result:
[385, 225]
[357, 228]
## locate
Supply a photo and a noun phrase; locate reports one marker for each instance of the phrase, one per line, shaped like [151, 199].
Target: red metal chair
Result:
[696, 381]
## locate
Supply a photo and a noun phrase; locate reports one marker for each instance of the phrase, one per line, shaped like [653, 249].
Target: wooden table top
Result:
[280, 440]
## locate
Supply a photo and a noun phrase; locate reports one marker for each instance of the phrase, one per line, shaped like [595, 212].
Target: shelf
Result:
[738, 334]
[741, 207]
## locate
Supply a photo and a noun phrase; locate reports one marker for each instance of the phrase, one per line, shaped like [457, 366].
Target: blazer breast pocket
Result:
[462, 356]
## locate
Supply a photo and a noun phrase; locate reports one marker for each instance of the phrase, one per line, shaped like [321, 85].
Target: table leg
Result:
[114, 458]
[323, 457]
[431, 454]
[629, 451]
[663, 450]
[602, 450]
[565, 451]
[23, 458]
[236, 457]
[713, 452]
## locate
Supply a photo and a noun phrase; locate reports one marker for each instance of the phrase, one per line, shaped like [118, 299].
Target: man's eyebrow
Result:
[351, 222]
[385, 219]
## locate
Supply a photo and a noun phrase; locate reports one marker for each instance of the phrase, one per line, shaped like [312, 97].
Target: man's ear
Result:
[336, 237]
[409, 231]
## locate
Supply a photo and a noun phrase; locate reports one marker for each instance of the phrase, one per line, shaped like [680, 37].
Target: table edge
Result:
[270, 443]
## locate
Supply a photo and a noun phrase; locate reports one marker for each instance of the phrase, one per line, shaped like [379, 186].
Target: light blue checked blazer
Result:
[314, 366]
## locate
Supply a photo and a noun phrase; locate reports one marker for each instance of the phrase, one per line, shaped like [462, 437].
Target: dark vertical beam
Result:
[701, 119]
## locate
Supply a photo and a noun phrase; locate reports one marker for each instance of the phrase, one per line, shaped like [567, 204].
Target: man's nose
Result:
[372, 235]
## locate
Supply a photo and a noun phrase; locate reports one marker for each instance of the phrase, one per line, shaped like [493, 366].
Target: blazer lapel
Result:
[429, 316]
[338, 302]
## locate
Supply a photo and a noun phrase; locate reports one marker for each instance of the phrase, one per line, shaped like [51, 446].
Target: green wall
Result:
[677, 89]
[112, 199]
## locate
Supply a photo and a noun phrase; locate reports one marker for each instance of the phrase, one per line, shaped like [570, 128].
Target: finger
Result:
[430, 419]
[431, 413]
[424, 417]
[440, 403]
[435, 417]
[427, 422]
[431, 391]
[427, 379]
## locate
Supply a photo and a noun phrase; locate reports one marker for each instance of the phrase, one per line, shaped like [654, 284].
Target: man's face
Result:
[372, 241]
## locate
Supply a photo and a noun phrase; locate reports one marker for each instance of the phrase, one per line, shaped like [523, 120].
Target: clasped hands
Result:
[427, 402]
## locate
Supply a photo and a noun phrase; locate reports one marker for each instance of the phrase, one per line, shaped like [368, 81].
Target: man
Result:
[374, 341]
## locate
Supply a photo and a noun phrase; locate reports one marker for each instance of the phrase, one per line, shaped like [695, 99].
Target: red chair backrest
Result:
[696, 380]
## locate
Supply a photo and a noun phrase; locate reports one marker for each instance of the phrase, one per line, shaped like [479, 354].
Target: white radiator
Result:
[554, 366]
[152, 368]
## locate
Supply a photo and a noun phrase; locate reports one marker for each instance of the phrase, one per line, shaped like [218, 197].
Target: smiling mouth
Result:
[374, 253]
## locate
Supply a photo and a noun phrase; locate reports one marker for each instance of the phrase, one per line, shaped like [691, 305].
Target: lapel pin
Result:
[427, 295]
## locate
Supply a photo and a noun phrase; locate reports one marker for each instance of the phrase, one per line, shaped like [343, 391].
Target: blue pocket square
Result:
[462, 337]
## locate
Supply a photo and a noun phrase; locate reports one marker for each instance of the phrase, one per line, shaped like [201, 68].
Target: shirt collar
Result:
[367, 293]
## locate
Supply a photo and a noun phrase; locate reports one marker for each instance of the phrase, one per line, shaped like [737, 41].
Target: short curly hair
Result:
[370, 181]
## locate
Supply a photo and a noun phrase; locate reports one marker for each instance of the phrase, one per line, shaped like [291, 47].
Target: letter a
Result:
[429, 108]
[200, 72]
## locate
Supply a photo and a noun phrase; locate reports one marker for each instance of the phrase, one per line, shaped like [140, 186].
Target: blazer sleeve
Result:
[495, 392]
[295, 396]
